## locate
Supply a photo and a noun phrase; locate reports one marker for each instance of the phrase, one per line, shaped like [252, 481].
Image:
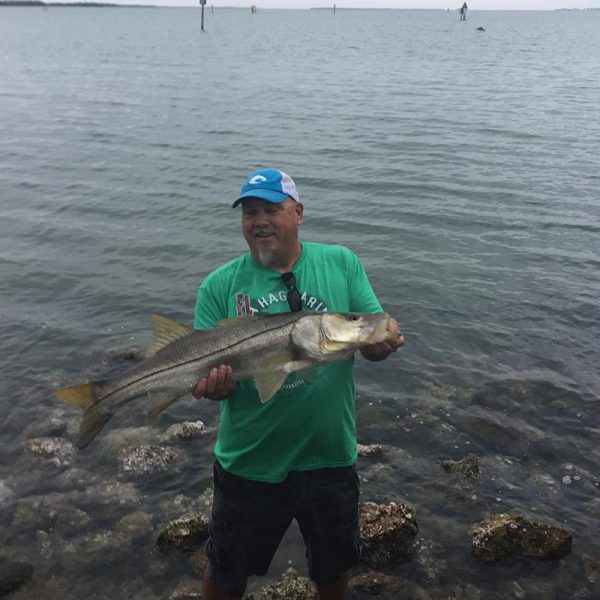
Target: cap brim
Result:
[268, 195]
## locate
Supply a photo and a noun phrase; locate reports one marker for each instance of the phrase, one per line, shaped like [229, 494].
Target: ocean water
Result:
[462, 166]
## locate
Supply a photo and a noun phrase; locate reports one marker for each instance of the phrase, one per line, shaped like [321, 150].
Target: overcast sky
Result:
[473, 4]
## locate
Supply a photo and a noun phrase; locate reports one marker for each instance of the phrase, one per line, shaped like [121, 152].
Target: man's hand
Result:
[218, 385]
[382, 350]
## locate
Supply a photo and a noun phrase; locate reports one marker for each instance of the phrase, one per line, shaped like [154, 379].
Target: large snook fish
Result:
[267, 348]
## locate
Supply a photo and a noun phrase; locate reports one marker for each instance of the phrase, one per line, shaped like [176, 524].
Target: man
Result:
[294, 456]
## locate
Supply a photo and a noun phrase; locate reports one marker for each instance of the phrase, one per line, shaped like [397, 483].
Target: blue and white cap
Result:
[271, 185]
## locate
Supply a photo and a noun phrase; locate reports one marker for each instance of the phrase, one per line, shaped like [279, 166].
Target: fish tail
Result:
[82, 396]
[94, 419]
[87, 397]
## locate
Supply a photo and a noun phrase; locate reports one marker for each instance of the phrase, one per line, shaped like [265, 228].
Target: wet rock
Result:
[148, 459]
[13, 574]
[187, 589]
[189, 530]
[370, 450]
[515, 591]
[199, 560]
[429, 560]
[375, 583]
[290, 586]
[205, 500]
[136, 525]
[111, 493]
[187, 430]
[467, 466]
[499, 432]
[72, 521]
[102, 548]
[133, 353]
[49, 548]
[52, 426]
[116, 441]
[388, 533]
[41, 511]
[591, 569]
[51, 450]
[6, 493]
[502, 536]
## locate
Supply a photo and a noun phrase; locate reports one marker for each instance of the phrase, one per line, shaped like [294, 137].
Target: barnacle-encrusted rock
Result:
[374, 583]
[147, 459]
[388, 533]
[369, 451]
[467, 466]
[290, 586]
[504, 535]
[187, 430]
[188, 530]
[52, 450]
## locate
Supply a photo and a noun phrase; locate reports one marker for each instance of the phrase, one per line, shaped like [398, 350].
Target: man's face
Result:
[271, 230]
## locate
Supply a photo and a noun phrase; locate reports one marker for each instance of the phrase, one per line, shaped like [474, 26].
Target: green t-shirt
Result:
[310, 423]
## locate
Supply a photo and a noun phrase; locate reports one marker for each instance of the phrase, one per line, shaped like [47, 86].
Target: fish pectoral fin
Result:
[82, 396]
[161, 400]
[268, 384]
[165, 331]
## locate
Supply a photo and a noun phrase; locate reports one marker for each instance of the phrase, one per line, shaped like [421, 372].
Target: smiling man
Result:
[293, 457]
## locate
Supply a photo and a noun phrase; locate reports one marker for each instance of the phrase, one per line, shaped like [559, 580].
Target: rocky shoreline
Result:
[62, 528]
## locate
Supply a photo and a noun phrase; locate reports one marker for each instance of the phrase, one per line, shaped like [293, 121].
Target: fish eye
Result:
[354, 317]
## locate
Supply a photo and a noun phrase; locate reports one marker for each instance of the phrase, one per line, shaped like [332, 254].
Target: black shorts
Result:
[249, 519]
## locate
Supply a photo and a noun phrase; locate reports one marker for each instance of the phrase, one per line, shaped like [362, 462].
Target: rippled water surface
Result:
[462, 166]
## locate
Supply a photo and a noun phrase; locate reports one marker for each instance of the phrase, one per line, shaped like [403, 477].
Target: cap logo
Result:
[257, 179]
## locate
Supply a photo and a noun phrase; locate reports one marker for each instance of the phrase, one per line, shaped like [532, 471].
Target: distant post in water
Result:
[334, 9]
[463, 11]
[202, 3]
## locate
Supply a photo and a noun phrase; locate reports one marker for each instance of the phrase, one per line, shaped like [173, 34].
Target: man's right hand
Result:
[218, 385]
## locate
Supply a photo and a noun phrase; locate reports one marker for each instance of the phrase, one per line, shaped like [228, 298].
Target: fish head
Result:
[334, 336]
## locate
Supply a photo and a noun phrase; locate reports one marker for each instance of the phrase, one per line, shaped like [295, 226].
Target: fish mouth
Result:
[380, 332]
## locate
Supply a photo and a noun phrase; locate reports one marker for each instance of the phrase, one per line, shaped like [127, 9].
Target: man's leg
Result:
[211, 591]
[335, 590]
[328, 518]
[247, 523]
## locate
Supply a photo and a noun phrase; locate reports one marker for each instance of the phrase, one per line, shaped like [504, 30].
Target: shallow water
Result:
[461, 166]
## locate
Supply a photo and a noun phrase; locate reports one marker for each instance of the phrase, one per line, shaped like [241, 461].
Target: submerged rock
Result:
[13, 574]
[502, 536]
[6, 493]
[290, 586]
[187, 589]
[72, 521]
[189, 530]
[51, 450]
[467, 466]
[370, 450]
[374, 583]
[199, 560]
[388, 533]
[147, 459]
[135, 525]
[187, 430]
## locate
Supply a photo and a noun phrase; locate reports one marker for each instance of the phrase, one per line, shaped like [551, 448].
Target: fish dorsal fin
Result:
[165, 331]
[269, 384]
[160, 400]
[235, 320]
